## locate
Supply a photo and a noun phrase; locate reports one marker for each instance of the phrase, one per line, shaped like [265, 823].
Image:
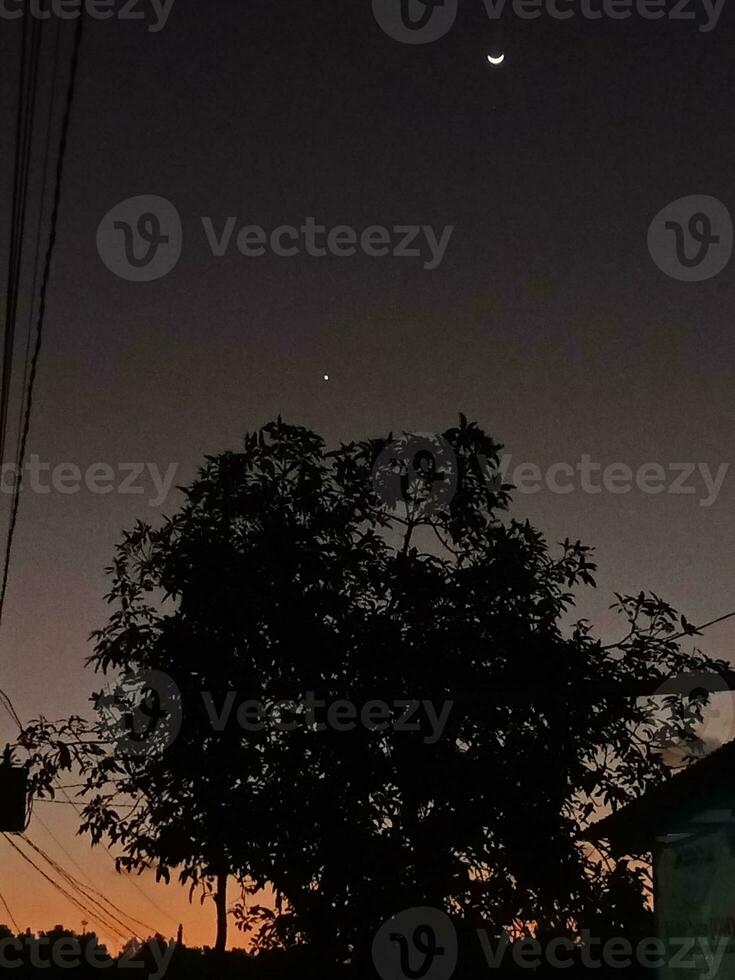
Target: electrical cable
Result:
[80, 905]
[91, 887]
[41, 213]
[7, 703]
[69, 104]
[75, 884]
[7, 909]
[28, 88]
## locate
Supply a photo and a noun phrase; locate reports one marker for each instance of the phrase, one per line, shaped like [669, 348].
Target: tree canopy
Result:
[385, 572]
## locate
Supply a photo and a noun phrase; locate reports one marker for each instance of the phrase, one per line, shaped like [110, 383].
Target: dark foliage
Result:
[290, 569]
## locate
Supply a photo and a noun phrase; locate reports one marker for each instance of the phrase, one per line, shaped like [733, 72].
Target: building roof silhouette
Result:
[700, 796]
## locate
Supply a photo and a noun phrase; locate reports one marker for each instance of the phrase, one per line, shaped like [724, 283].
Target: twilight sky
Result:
[546, 320]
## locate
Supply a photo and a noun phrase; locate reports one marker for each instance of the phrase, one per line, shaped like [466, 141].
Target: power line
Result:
[75, 901]
[63, 850]
[27, 89]
[685, 632]
[10, 708]
[704, 626]
[54, 221]
[12, 917]
[125, 806]
[24, 133]
[74, 883]
[41, 214]
[91, 887]
[130, 880]
[7, 703]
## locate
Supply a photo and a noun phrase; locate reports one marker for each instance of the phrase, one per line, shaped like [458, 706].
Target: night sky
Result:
[547, 320]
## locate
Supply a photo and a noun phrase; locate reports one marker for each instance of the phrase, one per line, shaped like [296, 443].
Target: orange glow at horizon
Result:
[36, 905]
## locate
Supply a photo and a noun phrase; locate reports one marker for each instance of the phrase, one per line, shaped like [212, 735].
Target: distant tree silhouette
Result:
[386, 570]
[53, 954]
[45, 957]
[49, 955]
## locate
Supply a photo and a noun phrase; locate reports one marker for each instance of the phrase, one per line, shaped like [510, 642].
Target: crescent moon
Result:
[496, 61]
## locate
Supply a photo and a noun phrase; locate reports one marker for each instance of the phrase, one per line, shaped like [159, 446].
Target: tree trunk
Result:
[220, 901]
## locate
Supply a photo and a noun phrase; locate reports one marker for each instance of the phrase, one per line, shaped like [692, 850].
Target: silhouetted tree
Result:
[52, 954]
[383, 571]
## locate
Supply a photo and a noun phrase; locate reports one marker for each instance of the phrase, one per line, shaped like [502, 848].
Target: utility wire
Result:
[75, 901]
[129, 879]
[41, 213]
[12, 917]
[69, 104]
[704, 626]
[124, 806]
[96, 891]
[74, 883]
[6, 702]
[24, 132]
[27, 89]
[10, 708]
[63, 850]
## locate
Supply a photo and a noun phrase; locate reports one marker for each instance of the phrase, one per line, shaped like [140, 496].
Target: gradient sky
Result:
[547, 321]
